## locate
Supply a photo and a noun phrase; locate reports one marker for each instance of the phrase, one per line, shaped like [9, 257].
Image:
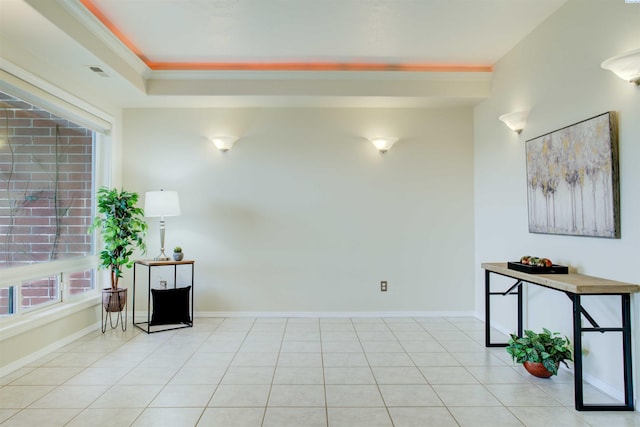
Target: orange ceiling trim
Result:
[311, 66]
[272, 66]
[95, 11]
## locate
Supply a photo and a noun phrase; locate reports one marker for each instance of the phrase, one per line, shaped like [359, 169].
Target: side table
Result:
[167, 310]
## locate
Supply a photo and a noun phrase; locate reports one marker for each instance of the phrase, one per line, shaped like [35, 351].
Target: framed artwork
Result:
[572, 179]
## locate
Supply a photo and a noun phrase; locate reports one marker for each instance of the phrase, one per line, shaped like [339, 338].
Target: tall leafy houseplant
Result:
[123, 229]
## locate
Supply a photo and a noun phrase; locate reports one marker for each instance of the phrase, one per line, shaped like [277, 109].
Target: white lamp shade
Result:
[223, 143]
[626, 66]
[161, 203]
[515, 121]
[383, 144]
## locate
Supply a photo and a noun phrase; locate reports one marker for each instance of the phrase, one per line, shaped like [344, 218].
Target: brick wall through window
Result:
[46, 182]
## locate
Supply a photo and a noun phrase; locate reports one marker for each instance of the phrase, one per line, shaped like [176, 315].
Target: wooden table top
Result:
[152, 262]
[572, 282]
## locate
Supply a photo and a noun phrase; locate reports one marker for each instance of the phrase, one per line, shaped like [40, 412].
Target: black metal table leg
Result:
[487, 307]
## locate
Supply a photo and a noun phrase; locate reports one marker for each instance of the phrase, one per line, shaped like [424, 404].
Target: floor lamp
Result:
[160, 204]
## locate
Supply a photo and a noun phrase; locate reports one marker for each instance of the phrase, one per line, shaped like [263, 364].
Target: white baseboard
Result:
[20, 363]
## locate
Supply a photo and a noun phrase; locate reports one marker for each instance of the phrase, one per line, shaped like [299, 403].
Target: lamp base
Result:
[161, 257]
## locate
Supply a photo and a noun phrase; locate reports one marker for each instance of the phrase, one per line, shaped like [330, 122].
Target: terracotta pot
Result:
[114, 300]
[537, 369]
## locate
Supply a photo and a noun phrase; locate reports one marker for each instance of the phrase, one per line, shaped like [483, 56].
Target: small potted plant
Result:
[177, 253]
[541, 353]
[123, 228]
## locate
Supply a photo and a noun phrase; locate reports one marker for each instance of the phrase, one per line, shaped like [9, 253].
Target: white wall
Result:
[556, 73]
[304, 215]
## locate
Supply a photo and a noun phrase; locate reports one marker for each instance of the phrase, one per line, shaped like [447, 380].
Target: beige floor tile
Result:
[145, 376]
[359, 417]
[466, 395]
[389, 359]
[296, 360]
[209, 360]
[185, 396]
[240, 396]
[462, 346]
[71, 397]
[74, 360]
[18, 397]
[214, 346]
[198, 375]
[349, 335]
[248, 375]
[398, 375]
[497, 375]
[611, 419]
[293, 375]
[382, 347]
[448, 375]
[423, 347]
[302, 335]
[353, 396]
[105, 417]
[6, 413]
[127, 396]
[344, 359]
[546, 416]
[521, 395]
[227, 372]
[348, 375]
[483, 358]
[410, 395]
[295, 417]
[300, 346]
[481, 417]
[434, 359]
[296, 395]
[412, 336]
[255, 359]
[421, 417]
[232, 417]
[98, 376]
[260, 347]
[41, 417]
[341, 347]
[376, 336]
[13, 376]
[48, 376]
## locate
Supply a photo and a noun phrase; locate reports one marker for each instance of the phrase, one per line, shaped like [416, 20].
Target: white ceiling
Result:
[64, 37]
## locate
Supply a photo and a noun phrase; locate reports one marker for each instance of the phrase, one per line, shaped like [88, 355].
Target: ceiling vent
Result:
[99, 71]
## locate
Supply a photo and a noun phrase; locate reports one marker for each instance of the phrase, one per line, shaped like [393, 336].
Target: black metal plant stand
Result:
[116, 299]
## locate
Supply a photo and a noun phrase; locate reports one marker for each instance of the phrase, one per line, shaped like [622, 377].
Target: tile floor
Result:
[300, 372]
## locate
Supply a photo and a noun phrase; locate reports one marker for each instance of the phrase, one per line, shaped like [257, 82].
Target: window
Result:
[46, 200]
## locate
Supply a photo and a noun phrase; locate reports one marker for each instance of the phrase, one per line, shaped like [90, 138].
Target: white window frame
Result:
[28, 87]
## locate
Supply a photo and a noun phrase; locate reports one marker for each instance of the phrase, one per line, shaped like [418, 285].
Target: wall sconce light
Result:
[515, 121]
[383, 144]
[223, 143]
[626, 66]
[161, 204]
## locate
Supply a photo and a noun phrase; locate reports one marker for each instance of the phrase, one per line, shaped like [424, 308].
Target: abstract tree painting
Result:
[572, 179]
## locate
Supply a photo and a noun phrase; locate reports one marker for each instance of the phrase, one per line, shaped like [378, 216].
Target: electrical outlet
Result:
[383, 286]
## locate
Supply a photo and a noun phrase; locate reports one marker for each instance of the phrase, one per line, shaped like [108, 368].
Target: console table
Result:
[574, 286]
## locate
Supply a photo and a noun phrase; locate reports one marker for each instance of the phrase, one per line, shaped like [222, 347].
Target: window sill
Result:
[11, 327]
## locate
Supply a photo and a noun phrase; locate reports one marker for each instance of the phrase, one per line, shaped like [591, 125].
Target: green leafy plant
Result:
[177, 249]
[122, 227]
[548, 348]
